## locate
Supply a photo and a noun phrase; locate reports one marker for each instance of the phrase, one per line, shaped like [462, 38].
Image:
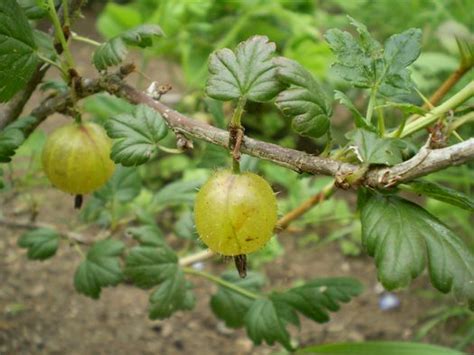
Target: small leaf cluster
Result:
[366, 64]
[266, 318]
[252, 72]
[114, 51]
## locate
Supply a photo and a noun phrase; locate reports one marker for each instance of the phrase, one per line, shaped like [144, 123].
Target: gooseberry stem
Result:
[222, 282]
[59, 32]
[236, 134]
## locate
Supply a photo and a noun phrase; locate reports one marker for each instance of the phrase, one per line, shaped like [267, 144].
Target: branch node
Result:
[236, 136]
[182, 142]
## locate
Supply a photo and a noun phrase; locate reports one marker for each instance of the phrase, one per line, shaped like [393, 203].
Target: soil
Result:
[40, 313]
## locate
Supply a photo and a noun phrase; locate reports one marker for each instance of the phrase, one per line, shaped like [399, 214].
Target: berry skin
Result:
[235, 214]
[76, 158]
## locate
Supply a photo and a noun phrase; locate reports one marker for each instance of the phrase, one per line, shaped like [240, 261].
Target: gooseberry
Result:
[76, 158]
[235, 214]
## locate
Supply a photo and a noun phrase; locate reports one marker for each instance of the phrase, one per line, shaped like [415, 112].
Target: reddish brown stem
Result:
[446, 86]
[304, 207]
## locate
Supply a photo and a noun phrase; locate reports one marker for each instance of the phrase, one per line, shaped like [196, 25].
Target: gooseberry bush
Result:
[236, 210]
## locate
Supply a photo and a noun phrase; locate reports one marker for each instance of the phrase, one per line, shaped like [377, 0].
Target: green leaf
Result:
[42, 243]
[406, 108]
[359, 120]
[154, 263]
[56, 85]
[369, 44]
[141, 36]
[379, 347]
[45, 44]
[147, 266]
[229, 305]
[136, 135]
[148, 235]
[441, 193]
[366, 64]
[315, 298]
[110, 53]
[103, 106]
[17, 50]
[32, 10]
[357, 62]
[266, 321]
[184, 226]
[176, 193]
[123, 186]
[246, 72]
[370, 149]
[401, 50]
[172, 295]
[13, 136]
[114, 51]
[403, 238]
[100, 268]
[304, 100]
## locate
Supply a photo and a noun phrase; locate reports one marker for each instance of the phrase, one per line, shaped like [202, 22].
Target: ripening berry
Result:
[235, 213]
[76, 158]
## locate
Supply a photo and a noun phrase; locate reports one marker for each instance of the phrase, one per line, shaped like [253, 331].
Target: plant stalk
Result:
[60, 34]
[222, 282]
[466, 93]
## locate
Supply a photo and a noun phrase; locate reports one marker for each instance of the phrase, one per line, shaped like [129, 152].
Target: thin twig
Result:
[452, 80]
[300, 161]
[13, 108]
[304, 207]
[75, 237]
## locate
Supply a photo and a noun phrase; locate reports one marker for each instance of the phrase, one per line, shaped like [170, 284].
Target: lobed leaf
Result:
[404, 238]
[155, 264]
[147, 266]
[247, 72]
[100, 268]
[172, 295]
[148, 235]
[176, 193]
[359, 120]
[114, 51]
[304, 100]
[266, 321]
[123, 186]
[42, 243]
[365, 63]
[229, 305]
[13, 136]
[315, 298]
[266, 318]
[441, 193]
[110, 53]
[32, 10]
[370, 149]
[17, 50]
[136, 135]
